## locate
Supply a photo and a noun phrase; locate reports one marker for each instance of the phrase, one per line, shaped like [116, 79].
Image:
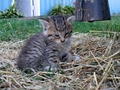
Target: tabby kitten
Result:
[46, 49]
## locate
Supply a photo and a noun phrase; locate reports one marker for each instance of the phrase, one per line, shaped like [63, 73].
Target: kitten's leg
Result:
[51, 55]
[69, 57]
[76, 57]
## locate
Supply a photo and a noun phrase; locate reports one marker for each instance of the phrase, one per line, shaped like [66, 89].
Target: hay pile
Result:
[98, 69]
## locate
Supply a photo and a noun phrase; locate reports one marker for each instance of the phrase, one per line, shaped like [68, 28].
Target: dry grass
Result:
[98, 69]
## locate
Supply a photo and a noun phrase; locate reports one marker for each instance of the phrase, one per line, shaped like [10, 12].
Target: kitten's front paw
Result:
[76, 57]
[49, 68]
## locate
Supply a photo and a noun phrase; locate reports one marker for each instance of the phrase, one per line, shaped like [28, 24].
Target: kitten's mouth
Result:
[60, 42]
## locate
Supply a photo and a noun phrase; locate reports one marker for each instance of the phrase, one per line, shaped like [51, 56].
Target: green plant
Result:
[67, 10]
[56, 10]
[12, 12]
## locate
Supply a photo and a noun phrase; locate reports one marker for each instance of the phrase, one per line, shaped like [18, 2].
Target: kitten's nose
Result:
[63, 40]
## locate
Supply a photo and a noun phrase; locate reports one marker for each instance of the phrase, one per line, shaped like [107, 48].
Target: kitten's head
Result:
[58, 28]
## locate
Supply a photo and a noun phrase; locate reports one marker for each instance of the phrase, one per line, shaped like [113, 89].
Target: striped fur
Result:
[46, 49]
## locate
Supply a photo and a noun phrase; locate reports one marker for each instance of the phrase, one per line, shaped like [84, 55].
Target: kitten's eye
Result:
[66, 34]
[57, 36]
[50, 35]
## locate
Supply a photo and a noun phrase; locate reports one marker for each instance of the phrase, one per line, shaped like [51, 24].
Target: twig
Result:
[93, 31]
[109, 66]
[80, 67]
[13, 79]
[88, 79]
[112, 55]
[6, 72]
[108, 50]
[63, 84]
[95, 78]
[113, 78]
[97, 61]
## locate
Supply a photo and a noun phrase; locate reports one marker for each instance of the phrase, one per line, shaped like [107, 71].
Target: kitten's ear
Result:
[45, 23]
[71, 19]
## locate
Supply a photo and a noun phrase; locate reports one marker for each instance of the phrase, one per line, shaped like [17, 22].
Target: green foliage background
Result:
[67, 10]
[11, 12]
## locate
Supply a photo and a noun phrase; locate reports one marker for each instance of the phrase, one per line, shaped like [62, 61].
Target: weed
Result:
[12, 12]
[60, 10]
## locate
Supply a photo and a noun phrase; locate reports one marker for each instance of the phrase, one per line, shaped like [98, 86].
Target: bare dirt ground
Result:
[98, 68]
